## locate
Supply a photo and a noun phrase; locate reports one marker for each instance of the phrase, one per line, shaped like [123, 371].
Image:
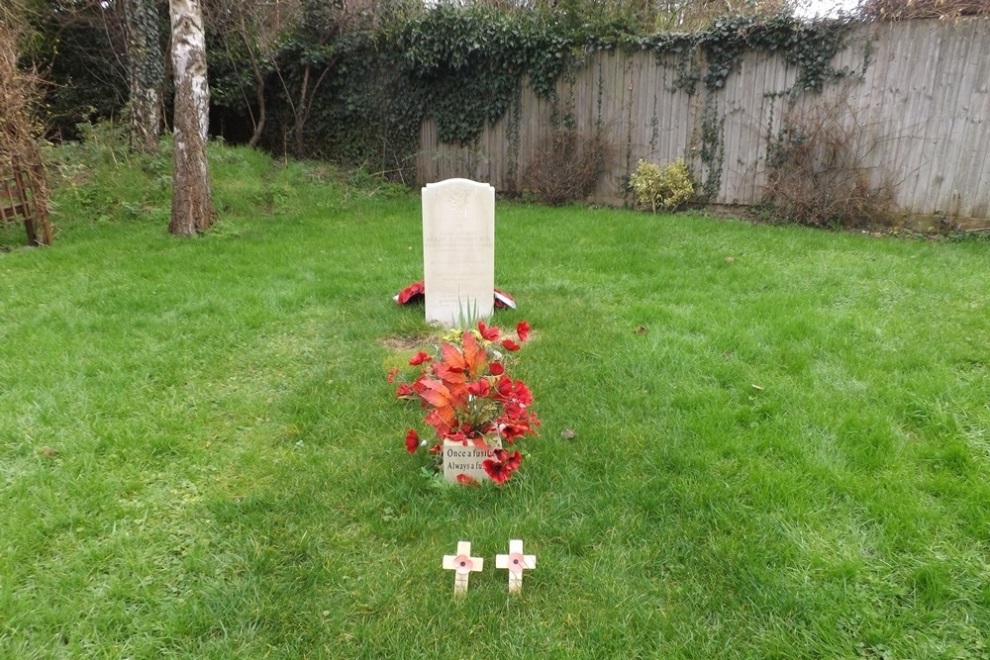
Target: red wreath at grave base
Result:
[416, 292]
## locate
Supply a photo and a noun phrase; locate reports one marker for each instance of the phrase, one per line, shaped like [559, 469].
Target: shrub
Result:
[664, 188]
[567, 166]
[819, 173]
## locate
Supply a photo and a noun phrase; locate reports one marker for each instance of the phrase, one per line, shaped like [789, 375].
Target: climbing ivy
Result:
[464, 67]
[712, 55]
[469, 63]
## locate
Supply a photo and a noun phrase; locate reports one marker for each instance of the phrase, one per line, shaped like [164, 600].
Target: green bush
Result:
[662, 188]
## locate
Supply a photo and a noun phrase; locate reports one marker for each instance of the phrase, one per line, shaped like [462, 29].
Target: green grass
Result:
[781, 435]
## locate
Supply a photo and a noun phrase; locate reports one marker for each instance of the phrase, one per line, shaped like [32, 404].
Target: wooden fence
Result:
[917, 102]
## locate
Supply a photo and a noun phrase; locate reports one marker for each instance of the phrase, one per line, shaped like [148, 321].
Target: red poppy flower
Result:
[437, 448]
[522, 329]
[466, 480]
[480, 388]
[514, 392]
[496, 368]
[510, 345]
[411, 292]
[456, 436]
[497, 470]
[513, 461]
[512, 430]
[489, 334]
[419, 359]
[412, 441]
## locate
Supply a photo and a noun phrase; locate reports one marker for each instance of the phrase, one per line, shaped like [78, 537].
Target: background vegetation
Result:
[352, 81]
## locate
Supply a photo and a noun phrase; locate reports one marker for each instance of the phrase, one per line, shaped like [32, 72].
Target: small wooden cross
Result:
[463, 564]
[516, 562]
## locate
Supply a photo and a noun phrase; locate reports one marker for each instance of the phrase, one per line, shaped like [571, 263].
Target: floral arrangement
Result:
[469, 397]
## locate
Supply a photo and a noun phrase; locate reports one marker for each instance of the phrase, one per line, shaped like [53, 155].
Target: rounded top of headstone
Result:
[459, 183]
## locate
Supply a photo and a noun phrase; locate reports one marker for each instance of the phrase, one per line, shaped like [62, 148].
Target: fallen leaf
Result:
[568, 434]
[730, 260]
[641, 330]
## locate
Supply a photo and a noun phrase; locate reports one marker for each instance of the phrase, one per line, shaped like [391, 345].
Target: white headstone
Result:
[458, 251]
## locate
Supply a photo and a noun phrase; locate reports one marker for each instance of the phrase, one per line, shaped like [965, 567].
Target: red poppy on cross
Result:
[463, 564]
[516, 562]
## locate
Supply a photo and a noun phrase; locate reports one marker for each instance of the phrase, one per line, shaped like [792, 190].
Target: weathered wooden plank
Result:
[920, 113]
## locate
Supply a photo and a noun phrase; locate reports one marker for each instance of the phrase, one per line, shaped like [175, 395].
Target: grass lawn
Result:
[780, 449]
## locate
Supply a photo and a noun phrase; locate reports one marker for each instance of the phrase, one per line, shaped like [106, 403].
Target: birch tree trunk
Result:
[146, 72]
[192, 203]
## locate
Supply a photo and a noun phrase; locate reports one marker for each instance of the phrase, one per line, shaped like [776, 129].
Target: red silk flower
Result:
[419, 359]
[522, 329]
[488, 334]
[412, 441]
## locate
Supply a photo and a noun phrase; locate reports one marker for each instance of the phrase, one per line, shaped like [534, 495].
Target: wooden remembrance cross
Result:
[463, 564]
[516, 562]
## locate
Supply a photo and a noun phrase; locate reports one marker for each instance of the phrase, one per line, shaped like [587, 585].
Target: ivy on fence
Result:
[464, 67]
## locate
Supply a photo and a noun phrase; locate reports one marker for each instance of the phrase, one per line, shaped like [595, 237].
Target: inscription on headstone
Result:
[458, 251]
[458, 459]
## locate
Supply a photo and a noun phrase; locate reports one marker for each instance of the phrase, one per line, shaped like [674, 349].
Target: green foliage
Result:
[97, 178]
[664, 188]
[710, 56]
[464, 65]
[468, 63]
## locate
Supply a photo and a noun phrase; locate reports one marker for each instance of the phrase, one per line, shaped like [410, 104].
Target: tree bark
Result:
[145, 73]
[192, 202]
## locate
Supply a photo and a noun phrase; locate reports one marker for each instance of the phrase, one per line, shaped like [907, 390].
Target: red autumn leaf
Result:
[480, 388]
[412, 441]
[475, 357]
[392, 373]
[489, 334]
[466, 480]
[510, 345]
[453, 358]
[448, 374]
[522, 329]
[419, 359]
[404, 391]
[441, 419]
[437, 448]
[435, 393]
[496, 368]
